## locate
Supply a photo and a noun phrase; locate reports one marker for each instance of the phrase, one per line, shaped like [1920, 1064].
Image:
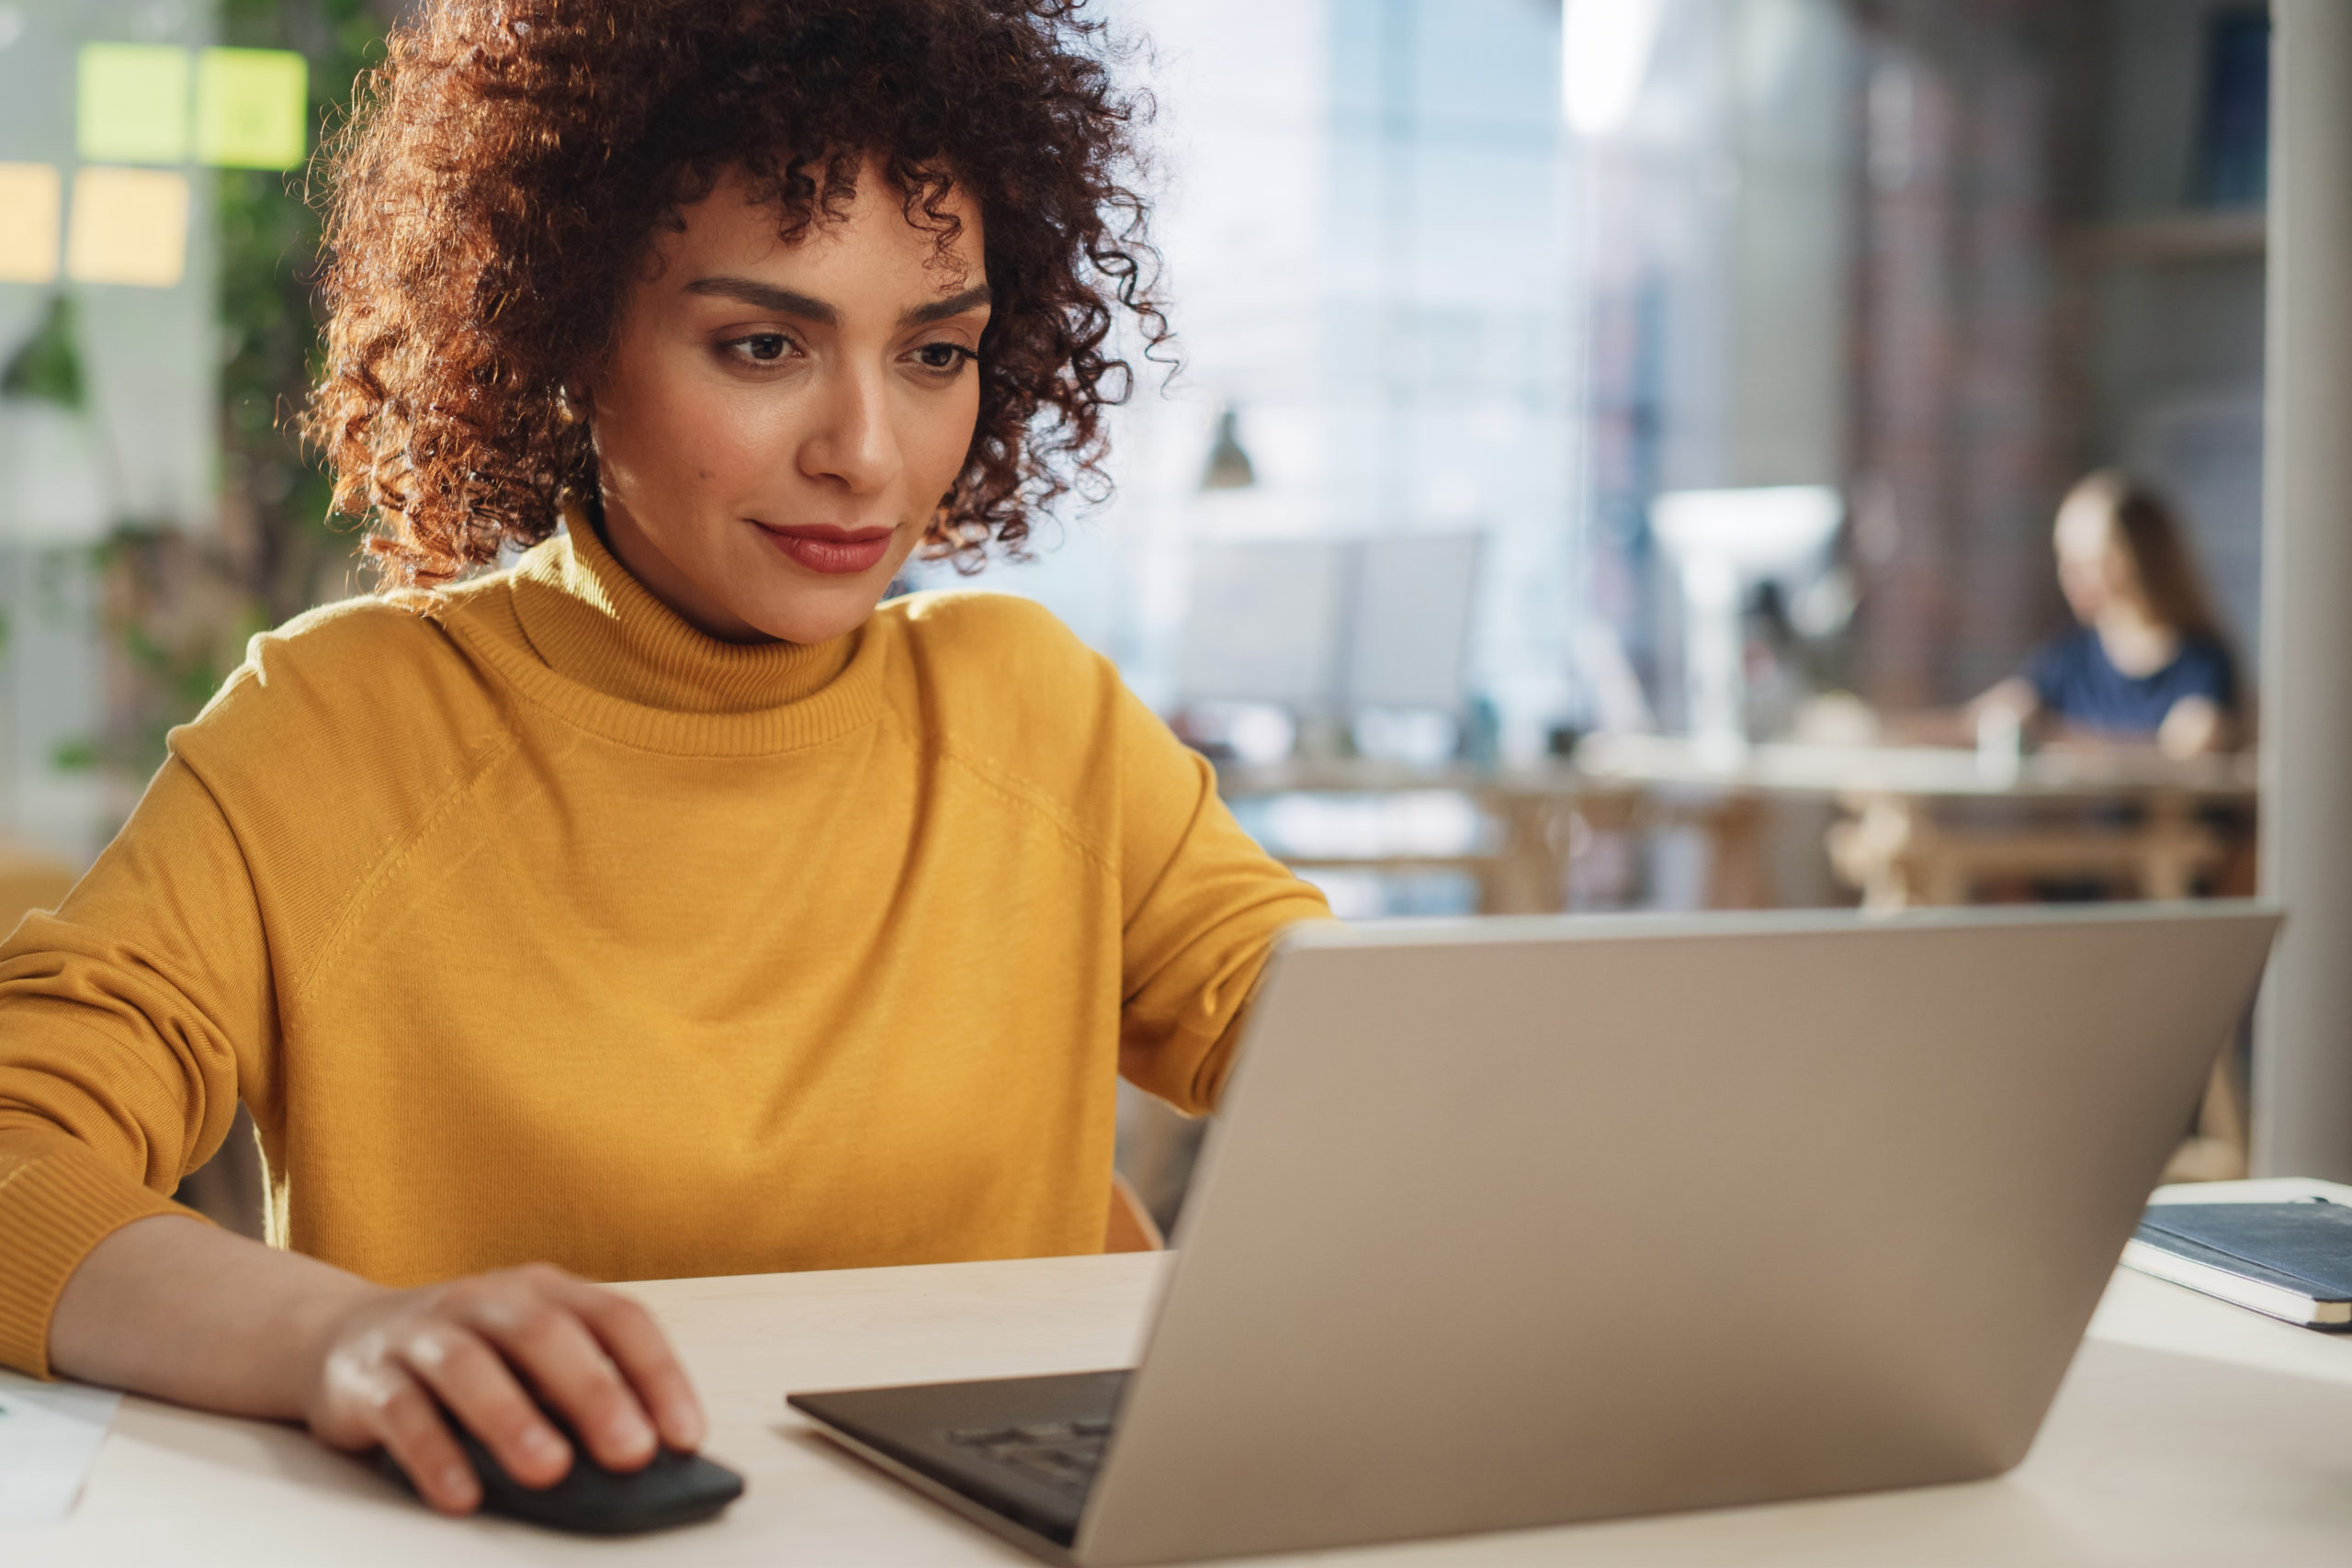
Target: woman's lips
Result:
[836, 552]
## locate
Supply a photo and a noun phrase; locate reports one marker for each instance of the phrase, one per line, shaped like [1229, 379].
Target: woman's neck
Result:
[2135, 642]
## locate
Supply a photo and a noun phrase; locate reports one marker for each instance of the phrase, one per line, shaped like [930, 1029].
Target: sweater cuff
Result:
[58, 1200]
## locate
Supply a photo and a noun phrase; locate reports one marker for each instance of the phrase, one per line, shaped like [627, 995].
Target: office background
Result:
[1466, 291]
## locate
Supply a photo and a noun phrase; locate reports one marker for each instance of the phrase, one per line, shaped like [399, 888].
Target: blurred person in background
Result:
[2146, 660]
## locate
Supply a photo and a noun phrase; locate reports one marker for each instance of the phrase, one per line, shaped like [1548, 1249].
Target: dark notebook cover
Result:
[2303, 1247]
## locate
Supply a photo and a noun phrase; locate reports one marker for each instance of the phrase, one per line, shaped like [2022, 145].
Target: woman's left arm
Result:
[2193, 727]
[2202, 718]
[1203, 905]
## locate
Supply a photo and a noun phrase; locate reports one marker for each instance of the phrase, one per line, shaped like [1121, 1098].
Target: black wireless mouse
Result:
[672, 1489]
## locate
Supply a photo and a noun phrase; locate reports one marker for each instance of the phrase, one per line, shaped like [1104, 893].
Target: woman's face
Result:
[777, 423]
[2095, 572]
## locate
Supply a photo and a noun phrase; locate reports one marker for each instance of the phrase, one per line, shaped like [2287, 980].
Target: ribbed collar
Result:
[593, 621]
[573, 630]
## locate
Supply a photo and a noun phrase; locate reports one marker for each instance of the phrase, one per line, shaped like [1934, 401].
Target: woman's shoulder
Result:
[373, 663]
[2198, 647]
[2205, 667]
[364, 623]
[981, 636]
[940, 612]
[997, 673]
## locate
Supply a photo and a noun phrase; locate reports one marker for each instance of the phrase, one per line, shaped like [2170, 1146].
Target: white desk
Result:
[2189, 1431]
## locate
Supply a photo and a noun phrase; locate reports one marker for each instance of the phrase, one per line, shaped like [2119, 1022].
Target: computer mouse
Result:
[672, 1489]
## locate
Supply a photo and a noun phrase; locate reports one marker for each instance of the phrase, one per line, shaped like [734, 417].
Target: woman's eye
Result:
[765, 349]
[944, 355]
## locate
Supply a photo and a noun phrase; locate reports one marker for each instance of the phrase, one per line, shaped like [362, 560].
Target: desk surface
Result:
[2189, 1431]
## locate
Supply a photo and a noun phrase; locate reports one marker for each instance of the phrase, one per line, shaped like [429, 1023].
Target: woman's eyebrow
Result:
[767, 297]
[941, 310]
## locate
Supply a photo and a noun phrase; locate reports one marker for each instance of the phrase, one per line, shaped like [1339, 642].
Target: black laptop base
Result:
[1024, 1448]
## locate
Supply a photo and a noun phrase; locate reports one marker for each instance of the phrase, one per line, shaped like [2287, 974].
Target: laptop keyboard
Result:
[1063, 1455]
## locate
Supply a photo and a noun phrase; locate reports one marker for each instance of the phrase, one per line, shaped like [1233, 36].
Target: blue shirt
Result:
[2075, 679]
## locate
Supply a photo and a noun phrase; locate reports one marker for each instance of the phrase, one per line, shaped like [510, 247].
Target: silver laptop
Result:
[1519, 1222]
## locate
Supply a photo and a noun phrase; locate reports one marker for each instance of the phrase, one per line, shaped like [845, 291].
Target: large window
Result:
[1515, 270]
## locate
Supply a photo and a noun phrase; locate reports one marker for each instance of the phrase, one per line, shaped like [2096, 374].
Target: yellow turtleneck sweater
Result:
[533, 924]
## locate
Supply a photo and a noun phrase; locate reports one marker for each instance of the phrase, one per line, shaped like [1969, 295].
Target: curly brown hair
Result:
[505, 169]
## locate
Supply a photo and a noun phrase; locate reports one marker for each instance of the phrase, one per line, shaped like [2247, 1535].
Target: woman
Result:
[656, 907]
[2146, 660]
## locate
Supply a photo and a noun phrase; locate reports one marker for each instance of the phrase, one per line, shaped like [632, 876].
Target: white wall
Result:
[148, 451]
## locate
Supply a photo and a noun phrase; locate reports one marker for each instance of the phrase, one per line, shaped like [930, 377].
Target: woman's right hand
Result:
[392, 1369]
[187, 1312]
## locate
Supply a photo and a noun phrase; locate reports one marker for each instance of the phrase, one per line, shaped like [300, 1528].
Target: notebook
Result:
[2289, 1261]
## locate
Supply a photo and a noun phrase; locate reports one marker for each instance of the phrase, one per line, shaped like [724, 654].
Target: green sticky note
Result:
[252, 108]
[130, 103]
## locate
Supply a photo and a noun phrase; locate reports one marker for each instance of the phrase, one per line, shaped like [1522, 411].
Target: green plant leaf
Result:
[46, 368]
[75, 756]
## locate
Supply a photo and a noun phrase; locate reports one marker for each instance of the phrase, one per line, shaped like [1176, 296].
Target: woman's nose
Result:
[853, 441]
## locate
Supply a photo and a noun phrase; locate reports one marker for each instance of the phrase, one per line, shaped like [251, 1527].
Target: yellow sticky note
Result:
[131, 103]
[32, 197]
[252, 108]
[128, 226]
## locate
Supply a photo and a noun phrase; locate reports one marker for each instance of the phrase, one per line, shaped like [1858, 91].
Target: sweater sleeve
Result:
[129, 1020]
[1203, 906]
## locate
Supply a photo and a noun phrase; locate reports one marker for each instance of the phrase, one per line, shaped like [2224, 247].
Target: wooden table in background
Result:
[2125, 813]
[1893, 849]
